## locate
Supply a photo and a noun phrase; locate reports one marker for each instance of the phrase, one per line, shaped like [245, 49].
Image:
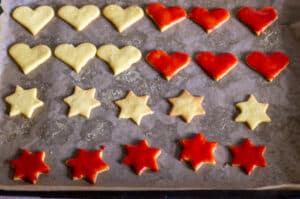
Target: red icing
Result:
[216, 66]
[29, 165]
[166, 64]
[88, 164]
[141, 157]
[267, 65]
[248, 156]
[198, 151]
[257, 20]
[209, 19]
[165, 17]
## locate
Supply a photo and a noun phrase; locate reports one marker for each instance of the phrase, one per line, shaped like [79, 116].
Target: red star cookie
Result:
[165, 17]
[29, 166]
[248, 156]
[141, 157]
[216, 66]
[209, 20]
[87, 164]
[168, 65]
[267, 65]
[198, 151]
[257, 20]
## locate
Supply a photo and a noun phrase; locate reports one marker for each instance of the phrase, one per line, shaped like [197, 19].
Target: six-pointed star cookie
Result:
[88, 164]
[23, 101]
[187, 106]
[82, 102]
[29, 166]
[252, 112]
[134, 107]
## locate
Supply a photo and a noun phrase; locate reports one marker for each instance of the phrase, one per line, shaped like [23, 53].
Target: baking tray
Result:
[51, 130]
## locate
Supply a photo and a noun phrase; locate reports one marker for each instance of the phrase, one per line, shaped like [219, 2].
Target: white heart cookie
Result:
[123, 18]
[79, 18]
[75, 57]
[119, 59]
[29, 58]
[33, 20]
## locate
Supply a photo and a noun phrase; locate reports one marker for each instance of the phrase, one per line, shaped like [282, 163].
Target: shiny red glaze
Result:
[168, 65]
[268, 65]
[29, 165]
[216, 66]
[163, 16]
[257, 20]
[209, 19]
[248, 156]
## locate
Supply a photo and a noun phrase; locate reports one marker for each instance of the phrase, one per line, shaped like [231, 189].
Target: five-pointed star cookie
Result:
[252, 112]
[88, 164]
[82, 102]
[29, 166]
[187, 106]
[23, 101]
[134, 107]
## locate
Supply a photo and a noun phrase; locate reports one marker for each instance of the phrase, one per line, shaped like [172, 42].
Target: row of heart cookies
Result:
[216, 66]
[164, 17]
[141, 156]
[81, 102]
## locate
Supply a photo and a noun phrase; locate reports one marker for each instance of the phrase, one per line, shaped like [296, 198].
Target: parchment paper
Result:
[51, 130]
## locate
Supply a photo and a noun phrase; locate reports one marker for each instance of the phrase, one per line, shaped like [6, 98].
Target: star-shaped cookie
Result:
[187, 106]
[134, 107]
[87, 164]
[82, 102]
[23, 101]
[29, 166]
[198, 151]
[248, 156]
[252, 112]
[141, 157]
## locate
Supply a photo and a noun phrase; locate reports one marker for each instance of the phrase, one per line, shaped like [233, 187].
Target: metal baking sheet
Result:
[51, 130]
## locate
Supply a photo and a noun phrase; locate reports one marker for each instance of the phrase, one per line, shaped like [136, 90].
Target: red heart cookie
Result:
[268, 65]
[209, 20]
[165, 17]
[216, 66]
[168, 65]
[257, 20]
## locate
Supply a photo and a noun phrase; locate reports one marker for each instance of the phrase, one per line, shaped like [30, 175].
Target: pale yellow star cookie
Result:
[119, 59]
[29, 58]
[252, 112]
[134, 107]
[123, 18]
[187, 106]
[75, 57]
[82, 102]
[79, 18]
[33, 20]
[23, 101]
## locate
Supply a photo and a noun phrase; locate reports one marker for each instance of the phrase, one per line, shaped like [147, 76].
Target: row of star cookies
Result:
[88, 164]
[164, 17]
[120, 60]
[81, 102]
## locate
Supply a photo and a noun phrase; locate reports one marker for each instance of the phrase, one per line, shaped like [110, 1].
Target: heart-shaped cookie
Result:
[165, 17]
[168, 65]
[33, 20]
[123, 18]
[75, 57]
[267, 65]
[29, 58]
[257, 20]
[119, 59]
[216, 66]
[209, 20]
[79, 18]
